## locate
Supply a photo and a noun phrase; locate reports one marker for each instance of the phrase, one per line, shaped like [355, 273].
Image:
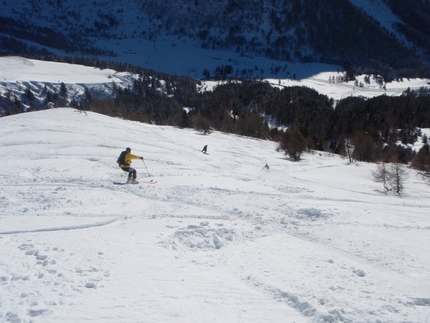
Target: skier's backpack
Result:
[121, 159]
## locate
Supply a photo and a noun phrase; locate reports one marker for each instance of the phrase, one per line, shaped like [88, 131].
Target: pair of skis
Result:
[151, 181]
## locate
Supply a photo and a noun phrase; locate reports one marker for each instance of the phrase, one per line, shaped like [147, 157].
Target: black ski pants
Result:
[131, 172]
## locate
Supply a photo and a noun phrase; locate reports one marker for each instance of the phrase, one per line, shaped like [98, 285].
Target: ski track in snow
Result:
[216, 239]
[72, 227]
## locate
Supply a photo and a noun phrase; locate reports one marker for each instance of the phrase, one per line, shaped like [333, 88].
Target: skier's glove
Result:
[141, 158]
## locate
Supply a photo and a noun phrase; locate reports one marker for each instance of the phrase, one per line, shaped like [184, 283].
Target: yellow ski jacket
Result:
[128, 158]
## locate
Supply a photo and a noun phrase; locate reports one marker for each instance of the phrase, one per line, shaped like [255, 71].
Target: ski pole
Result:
[146, 168]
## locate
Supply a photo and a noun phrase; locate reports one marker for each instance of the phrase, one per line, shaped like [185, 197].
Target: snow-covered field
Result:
[19, 75]
[216, 239]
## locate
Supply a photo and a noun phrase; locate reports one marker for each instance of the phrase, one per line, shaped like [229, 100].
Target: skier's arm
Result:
[131, 156]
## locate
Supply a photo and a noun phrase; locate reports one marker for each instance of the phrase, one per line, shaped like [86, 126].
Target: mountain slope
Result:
[29, 81]
[134, 31]
[217, 239]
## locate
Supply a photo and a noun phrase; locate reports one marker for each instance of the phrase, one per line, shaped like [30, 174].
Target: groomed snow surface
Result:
[216, 239]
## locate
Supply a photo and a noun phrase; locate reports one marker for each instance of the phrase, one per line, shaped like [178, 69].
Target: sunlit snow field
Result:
[216, 239]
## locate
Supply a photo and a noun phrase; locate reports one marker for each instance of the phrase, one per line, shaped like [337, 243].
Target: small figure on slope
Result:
[265, 167]
[205, 149]
[124, 161]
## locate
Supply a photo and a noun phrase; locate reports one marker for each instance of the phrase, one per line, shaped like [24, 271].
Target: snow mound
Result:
[200, 237]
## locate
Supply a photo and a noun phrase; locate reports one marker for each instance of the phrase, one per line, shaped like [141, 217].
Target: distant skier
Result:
[265, 167]
[205, 149]
[124, 161]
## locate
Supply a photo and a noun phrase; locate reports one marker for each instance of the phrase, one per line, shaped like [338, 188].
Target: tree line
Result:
[378, 129]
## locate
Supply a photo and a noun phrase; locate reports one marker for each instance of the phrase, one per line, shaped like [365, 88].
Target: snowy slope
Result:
[19, 74]
[216, 239]
[359, 88]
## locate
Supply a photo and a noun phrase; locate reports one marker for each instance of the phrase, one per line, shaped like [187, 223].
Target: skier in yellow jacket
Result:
[124, 162]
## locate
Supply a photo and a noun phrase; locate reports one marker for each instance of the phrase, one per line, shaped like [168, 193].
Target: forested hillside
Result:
[335, 32]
